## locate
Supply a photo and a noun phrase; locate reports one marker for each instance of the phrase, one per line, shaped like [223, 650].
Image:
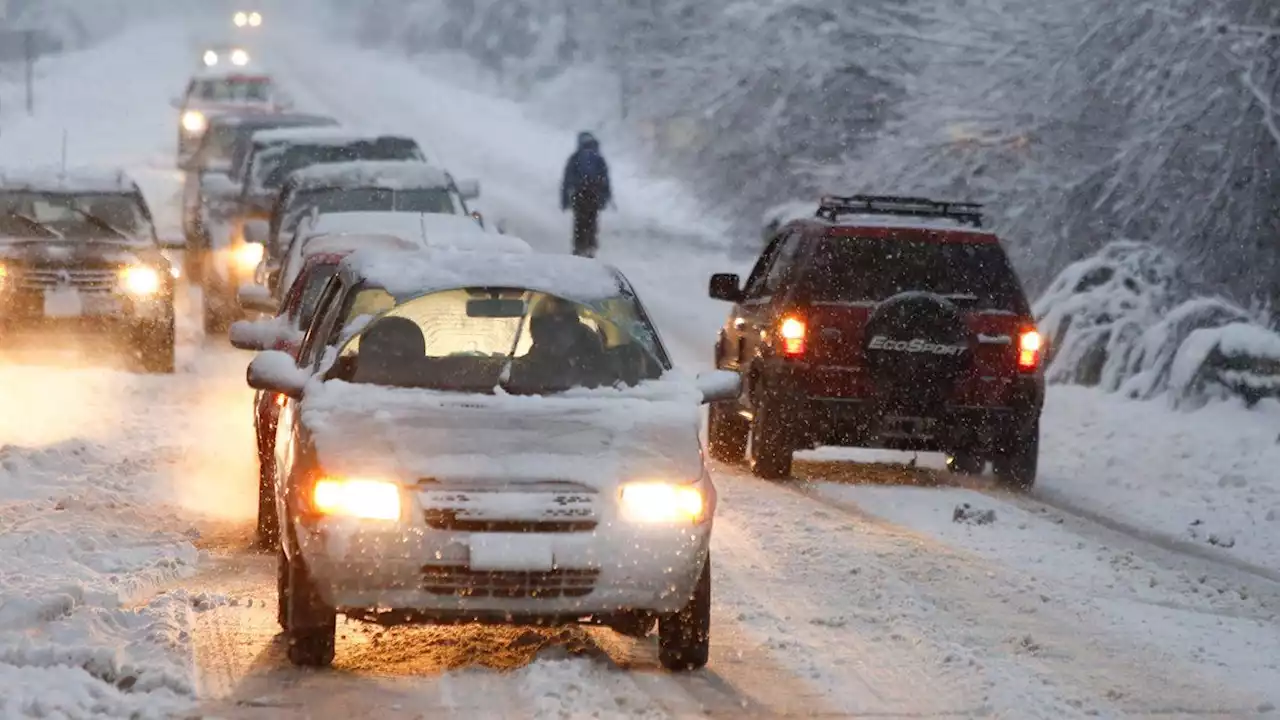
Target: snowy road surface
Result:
[1140, 580]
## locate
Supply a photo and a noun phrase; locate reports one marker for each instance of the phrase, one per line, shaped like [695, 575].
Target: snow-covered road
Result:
[125, 586]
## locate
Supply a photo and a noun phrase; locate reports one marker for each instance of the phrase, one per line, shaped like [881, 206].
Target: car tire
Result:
[156, 345]
[310, 624]
[771, 451]
[684, 637]
[282, 588]
[1017, 464]
[634, 625]
[966, 463]
[727, 432]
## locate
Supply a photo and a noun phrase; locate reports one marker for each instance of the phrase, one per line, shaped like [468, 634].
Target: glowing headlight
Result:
[210, 58]
[239, 57]
[661, 502]
[255, 19]
[140, 281]
[249, 255]
[241, 19]
[356, 498]
[193, 121]
[4, 276]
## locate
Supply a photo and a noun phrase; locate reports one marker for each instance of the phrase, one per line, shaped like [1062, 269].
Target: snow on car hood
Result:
[597, 438]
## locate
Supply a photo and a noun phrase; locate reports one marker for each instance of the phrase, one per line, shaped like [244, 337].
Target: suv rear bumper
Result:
[859, 423]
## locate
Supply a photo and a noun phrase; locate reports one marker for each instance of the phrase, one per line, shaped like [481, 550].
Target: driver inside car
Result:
[564, 350]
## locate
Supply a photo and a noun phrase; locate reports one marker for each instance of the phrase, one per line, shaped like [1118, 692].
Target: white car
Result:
[508, 443]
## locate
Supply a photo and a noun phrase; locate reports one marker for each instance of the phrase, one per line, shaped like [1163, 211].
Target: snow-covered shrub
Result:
[1239, 359]
[1151, 363]
[1095, 311]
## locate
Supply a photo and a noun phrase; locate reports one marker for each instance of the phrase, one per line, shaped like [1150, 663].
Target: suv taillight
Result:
[1030, 350]
[791, 331]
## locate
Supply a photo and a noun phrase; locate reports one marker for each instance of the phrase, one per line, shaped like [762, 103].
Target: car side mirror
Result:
[256, 298]
[726, 286]
[257, 232]
[258, 335]
[468, 189]
[719, 385]
[277, 371]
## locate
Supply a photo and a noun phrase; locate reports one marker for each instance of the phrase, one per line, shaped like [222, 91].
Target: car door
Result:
[757, 314]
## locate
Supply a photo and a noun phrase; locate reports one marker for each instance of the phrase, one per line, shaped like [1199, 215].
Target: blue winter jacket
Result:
[586, 175]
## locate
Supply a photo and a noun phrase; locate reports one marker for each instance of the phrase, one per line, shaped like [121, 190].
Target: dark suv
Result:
[882, 322]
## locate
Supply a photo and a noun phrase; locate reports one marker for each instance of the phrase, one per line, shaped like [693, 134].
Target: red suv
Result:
[884, 322]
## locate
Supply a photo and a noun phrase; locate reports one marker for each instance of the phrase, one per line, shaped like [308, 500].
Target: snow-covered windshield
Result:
[338, 200]
[77, 215]
[232, 89]
[526, 342]
[316, 280]
[873, 269]
[275, 164]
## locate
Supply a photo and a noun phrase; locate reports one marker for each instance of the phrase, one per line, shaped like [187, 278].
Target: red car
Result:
[283, 332]
[882, 322]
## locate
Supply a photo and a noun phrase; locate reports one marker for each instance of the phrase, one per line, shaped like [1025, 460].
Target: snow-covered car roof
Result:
[84, 179]
[390, 174]
[322, 135]
[451, 229]
[350, 242]
[273, 121]
[407, 275]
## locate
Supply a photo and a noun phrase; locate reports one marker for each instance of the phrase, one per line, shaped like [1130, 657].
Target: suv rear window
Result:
[874, 269]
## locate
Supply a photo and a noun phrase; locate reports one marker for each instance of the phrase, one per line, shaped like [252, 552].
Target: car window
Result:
[81, 215]
[279, 162]
[327, 308]
[316, 282]
[526, 342]
[783, 261]
[873, 269]
[755, 286]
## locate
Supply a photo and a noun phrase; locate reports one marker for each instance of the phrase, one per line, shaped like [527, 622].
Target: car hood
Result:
[70, 253]
[596, 438]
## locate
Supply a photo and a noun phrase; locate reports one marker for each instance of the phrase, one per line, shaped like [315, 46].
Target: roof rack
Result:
[831, 207]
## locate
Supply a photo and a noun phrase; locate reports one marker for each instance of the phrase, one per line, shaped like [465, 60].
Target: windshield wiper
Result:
[99, 223]
[34, 223]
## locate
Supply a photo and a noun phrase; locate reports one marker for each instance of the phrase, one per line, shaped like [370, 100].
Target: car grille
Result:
[549, 507]
[100, 281]
[461, 581]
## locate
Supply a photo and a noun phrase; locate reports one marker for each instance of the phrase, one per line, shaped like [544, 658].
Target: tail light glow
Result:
[1030, 349]
[792, 331]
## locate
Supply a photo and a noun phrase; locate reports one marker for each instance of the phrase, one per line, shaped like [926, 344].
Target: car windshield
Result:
[316, 280]
[77, 215]
[218, 144]
[338, 200]
[866, 269]
[232, 89]
[277, 163]
[526, 342]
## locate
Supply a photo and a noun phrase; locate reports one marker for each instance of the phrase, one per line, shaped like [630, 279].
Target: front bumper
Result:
[417, 572]
[30, 310]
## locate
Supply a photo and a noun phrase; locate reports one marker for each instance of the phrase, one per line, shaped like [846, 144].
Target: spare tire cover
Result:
[916, 347]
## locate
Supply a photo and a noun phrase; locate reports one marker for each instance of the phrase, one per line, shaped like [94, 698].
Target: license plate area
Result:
[908, 426]
[63, 301]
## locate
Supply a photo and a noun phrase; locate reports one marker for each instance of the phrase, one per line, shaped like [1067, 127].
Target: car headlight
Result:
[241, 19]
[255, 19]
[356, 498]
[239, 57]
[4, 275]
[249, 255]
[140, 281]
[193, 121]
[656, 501]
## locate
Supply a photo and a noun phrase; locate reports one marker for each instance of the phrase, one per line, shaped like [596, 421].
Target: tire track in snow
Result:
[994, 614]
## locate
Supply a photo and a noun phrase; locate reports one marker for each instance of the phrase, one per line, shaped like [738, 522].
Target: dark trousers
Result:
[586, 227]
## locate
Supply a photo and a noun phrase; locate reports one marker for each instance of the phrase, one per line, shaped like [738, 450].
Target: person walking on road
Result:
[586, 191]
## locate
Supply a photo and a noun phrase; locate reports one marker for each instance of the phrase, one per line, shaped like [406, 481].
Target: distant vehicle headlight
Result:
[660, 502]
[241, 19]
[249, 255]
[210, 58]
[140, 281]
[239, 57]
[357, 498]
[4, 275]
[194, 121]
[255, 19]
